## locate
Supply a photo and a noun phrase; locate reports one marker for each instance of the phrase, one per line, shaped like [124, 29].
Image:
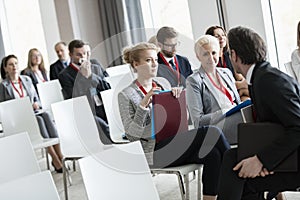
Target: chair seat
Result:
[43, 143]
[183, 169]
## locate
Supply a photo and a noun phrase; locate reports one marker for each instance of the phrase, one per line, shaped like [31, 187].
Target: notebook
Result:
[253, 137]
[169, 115]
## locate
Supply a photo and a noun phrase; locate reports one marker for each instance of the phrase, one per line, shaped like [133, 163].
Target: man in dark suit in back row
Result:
[63, 61]
[276, 98]
[173, 67]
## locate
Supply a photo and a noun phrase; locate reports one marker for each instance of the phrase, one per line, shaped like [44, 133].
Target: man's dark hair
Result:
[247, 44]
[75, 44]
[166, 32]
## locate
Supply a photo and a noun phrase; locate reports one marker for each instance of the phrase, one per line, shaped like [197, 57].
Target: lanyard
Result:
[75, 68]
[21, 94]
[221, 87]
[177, 73]
[142, 88]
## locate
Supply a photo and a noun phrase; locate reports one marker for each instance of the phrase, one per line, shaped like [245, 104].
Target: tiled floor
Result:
[167, 186]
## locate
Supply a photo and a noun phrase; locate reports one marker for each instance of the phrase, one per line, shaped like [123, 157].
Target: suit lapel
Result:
[9, 88]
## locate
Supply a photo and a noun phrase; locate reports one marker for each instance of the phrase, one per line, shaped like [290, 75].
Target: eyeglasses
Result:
[172, 45]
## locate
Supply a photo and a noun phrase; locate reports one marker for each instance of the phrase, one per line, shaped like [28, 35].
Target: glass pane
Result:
[286, 16]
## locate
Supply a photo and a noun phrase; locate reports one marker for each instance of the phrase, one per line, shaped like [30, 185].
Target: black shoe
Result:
[60, 170]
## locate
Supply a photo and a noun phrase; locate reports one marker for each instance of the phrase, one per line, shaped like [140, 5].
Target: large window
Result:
[286, 16]
[175, 13]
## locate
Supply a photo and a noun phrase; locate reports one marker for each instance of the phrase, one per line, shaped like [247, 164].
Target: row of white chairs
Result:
[20, 174]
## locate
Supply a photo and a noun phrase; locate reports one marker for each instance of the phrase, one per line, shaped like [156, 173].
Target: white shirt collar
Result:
[249, 74]
[168, 59]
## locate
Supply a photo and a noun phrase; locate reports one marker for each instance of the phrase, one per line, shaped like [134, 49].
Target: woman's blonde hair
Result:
[29, 63]
[206, 39]
[133, 53]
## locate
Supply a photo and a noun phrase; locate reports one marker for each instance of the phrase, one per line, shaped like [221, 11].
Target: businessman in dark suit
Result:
[63, 61]
[81, 78]
[276, 98]
[173, 67]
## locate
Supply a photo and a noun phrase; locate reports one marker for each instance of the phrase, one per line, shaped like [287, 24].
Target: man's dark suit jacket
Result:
[75, 85]
[165, 71]
[30, 73]
[276, 98]
[55, 69]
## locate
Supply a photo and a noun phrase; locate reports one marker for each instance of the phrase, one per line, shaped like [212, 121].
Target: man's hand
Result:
[249, 168]
[85, 69]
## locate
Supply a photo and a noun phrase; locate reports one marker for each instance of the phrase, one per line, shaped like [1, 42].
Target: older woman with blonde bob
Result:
[183, 148]
[211, 90]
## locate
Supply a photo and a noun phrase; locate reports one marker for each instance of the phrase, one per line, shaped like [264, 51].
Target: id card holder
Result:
[95, 96]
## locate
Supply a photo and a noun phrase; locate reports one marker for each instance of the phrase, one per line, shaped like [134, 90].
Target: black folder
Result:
[169, 115]
[253, 137]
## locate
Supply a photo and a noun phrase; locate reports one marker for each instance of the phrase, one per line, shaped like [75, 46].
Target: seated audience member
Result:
[15, 86]
[63, 61]
[211, 90]
[224, 60]
[296, 55]
[35, 68]
[276, 99]
[190, 147]
[83, 78]
[173, 67]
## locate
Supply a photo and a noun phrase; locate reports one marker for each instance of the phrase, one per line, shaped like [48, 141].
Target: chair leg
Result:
[181, 186]
[199, 192]
[187, 186]
[65, 176]
[47, 158]
[74, 165]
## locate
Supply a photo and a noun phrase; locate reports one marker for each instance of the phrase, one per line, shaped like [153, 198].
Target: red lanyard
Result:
[142, 88]
[221, 87]
[21, 94]
[75, 68]
[177, 73]
[222, 64]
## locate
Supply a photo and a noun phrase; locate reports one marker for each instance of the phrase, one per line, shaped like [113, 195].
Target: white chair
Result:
[121, 172]
[17, 116]
[116, 129]
[110, 102]
[49, 92]
[120, 81]
[17, 157]
[119, 69]
[35, 186]
[182, 172]
[77, 131]
[289, 70]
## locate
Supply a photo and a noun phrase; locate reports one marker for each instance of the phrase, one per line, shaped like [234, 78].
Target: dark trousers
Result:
[204, 145]
[234, 188]
[46, 126]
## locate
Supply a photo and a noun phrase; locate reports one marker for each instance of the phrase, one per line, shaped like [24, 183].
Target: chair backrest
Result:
[49, 92]
[76, 127]
[17, 116]
[36, 186]
[119, 69]
[17, 157]
[110, 102]
[289, 70]
[127, 177]
[120, 81]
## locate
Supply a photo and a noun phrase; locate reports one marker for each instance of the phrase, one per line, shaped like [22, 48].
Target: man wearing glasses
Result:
[173, 67]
